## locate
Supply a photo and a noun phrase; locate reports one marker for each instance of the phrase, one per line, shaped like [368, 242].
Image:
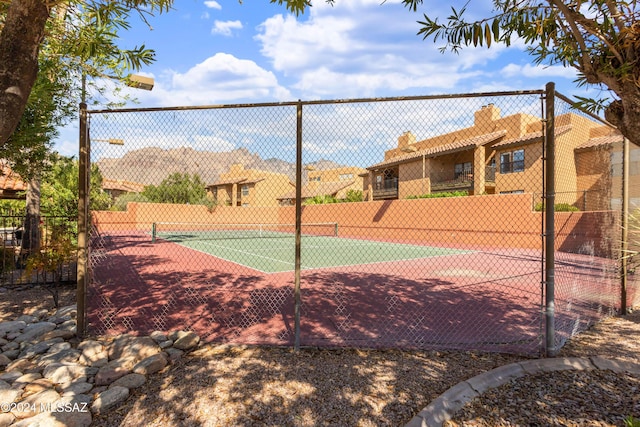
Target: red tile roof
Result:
[10, 182]
[452, 147]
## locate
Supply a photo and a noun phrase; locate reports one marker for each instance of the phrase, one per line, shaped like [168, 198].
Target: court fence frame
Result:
[550, 342]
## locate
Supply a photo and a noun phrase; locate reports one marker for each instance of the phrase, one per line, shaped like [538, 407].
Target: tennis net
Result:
[182, 231]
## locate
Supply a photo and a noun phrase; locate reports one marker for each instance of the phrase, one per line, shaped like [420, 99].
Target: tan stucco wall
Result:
[498, 221]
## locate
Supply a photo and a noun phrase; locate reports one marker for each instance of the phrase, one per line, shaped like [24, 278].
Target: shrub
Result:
[559, 207]
[7, 262]
[439, 195]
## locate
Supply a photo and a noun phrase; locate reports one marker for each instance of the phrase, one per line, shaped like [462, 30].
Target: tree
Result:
[59, 189]
[23, 31]
[178, 188]
[599, 38]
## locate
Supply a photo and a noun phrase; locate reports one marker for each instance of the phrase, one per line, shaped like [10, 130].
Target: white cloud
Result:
[537, 71]
[225, 28]
[213, 5]
[221, 78]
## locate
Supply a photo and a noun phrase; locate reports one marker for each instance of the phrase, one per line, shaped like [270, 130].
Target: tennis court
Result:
[268, 248]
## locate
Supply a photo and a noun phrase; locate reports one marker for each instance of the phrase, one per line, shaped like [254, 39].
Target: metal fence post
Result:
[549, 214]
[298, 221]
[83, 204]
[624, 247]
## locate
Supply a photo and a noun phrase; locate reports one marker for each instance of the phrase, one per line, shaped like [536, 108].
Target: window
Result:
[512, 161]
[346, 176]
[462, 170]
[314, 178]
[215, 194]
[245, 190]
[512, 192]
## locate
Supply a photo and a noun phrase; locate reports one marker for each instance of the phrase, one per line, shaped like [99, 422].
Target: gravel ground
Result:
[249, 386]
[568, 398]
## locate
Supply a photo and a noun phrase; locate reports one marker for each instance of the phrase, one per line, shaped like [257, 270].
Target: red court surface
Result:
[485, 300]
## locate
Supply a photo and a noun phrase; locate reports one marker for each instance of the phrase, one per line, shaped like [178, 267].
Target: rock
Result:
[37, 386]
[109, 398]
[27, 319]
[113, 370]
[4, 385]
[25, 379]
[74, 388]
[136, 347]
[10, 376]
[151, 364]
[61, 374]
[69, 310]
[6, 419]
[12, 327]
[174, 354]
[36, 403]
[34, 350]
[34, 331]
[12, 354]
[158, 336]
[4, 360]
[92, 352]
[130, 381]
[9, 395]
[40, 313]
[24, 365]
[68, 356]
[58, 333]
[186, 341]
[60, 418]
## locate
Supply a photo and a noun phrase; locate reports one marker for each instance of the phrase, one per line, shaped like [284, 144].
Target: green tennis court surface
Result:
[275, 253]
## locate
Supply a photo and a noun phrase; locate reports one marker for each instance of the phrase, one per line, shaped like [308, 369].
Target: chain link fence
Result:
[400, 222]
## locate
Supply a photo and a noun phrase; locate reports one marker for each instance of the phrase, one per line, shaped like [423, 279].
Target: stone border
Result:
[447, 404]
[50, 378]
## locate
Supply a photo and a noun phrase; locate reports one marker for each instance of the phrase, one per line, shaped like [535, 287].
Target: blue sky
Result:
[224, 52]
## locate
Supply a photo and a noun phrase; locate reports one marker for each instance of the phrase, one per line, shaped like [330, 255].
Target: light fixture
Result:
[112, 141]
[140, 82]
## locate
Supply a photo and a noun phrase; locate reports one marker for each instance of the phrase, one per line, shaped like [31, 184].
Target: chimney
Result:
[486, 115]
[405, 140]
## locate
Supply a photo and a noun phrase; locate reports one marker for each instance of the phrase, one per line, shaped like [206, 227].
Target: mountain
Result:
[151, 165]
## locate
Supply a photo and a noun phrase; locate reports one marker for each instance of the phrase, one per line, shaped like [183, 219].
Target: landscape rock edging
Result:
[48, 378]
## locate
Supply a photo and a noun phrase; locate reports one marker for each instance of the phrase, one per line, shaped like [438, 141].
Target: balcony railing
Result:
[461, 180]
[387, 189]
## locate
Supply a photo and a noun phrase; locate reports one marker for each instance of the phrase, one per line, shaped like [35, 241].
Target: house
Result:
[335, 182]
[496, 155]
[248, 187]
[118, 187]
[11, 185]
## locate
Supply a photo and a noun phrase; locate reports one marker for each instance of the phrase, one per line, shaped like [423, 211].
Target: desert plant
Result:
[57, 252]
[631, 422]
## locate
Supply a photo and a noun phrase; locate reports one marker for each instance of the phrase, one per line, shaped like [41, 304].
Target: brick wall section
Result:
[496, 221]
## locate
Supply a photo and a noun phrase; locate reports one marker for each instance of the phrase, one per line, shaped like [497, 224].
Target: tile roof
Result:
[321, 189]
[122, 185]
[531, 137]
[236, 181]
[452, 147]
[10, 182]
[600, 142]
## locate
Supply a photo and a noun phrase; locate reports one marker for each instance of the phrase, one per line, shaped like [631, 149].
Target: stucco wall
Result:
[497, 221]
